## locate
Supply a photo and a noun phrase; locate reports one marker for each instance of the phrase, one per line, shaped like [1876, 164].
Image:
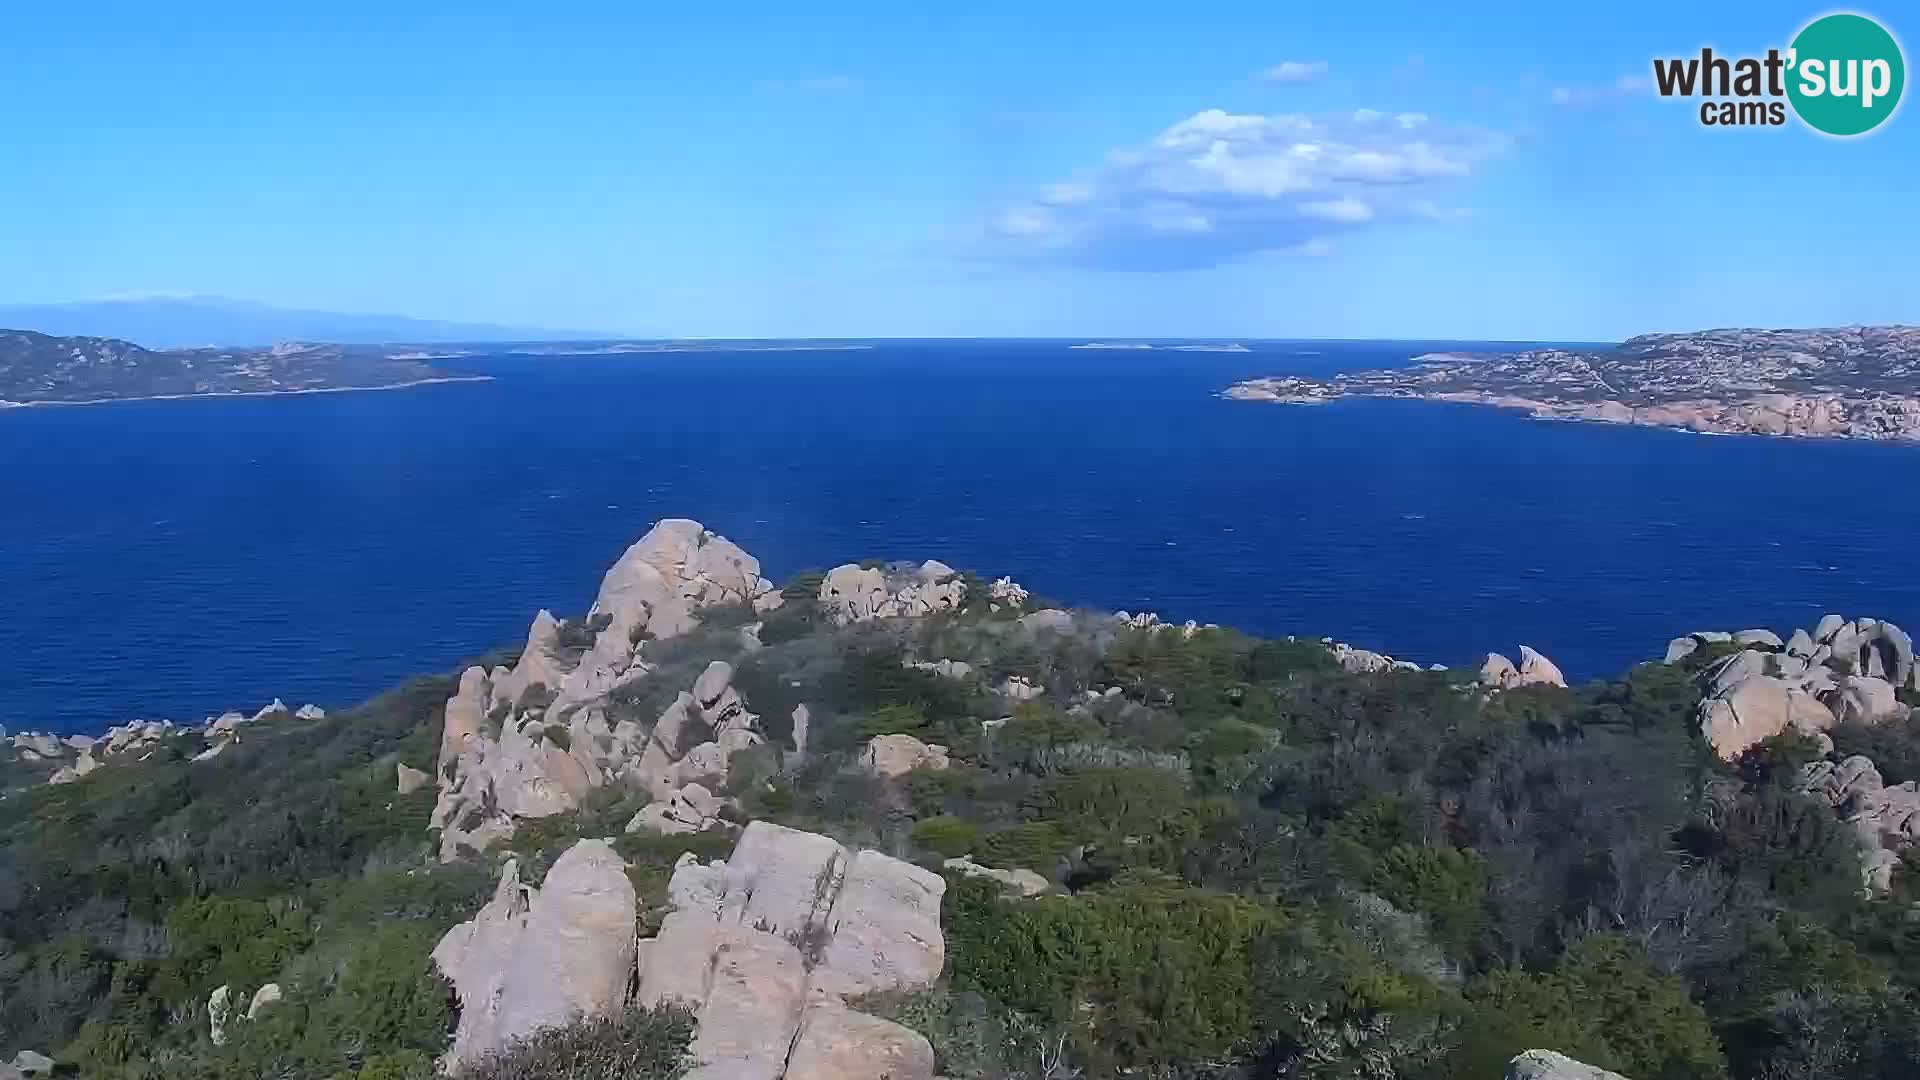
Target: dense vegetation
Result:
[1266, 867]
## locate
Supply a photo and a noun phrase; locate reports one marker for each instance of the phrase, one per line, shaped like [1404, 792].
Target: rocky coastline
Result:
[1850, 383]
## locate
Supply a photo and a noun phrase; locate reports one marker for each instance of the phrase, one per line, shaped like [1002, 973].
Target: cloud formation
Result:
[1220, 185]
[1295, 71]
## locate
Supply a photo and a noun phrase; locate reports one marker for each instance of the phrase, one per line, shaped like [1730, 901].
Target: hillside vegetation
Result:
[1260, 864]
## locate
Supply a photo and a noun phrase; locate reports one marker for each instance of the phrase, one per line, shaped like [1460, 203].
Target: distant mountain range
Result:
[173, 322]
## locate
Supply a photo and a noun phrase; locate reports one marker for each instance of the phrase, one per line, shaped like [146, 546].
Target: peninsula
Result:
[40, 369]
[1857, 382]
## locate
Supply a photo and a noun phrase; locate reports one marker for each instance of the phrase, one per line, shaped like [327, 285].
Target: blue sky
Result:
[1268, 169]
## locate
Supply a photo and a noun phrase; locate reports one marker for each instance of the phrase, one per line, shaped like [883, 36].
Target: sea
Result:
[176, 559]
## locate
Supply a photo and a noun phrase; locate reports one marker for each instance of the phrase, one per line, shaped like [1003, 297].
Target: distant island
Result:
[1859, 382]
[1204, 346]
[39, 369]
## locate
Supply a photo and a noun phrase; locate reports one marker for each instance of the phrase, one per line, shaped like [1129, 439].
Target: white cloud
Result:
[1347, 210]
[1220, 185]
[1295, 71]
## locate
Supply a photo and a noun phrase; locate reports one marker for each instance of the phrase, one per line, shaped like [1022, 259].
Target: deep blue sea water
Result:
[176, 559]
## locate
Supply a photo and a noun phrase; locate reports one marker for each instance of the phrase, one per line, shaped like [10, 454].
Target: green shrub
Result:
[946, 836]
[1034, 727]
[1036, 845]
[1147, 972]
[1603, 1005]
[901, 719]
[1447, 884]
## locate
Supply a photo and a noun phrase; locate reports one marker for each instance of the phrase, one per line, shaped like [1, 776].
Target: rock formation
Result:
[268, 994]
[533, 739]
[1533, 670]
[219, 1011]
[541, 957]
[408, 780]
[690, 809]
[1843, 670]
[892, 756]
[1023, 881]
[1549, 1065]
[1017, 688]
[769, 944]
[27, 1063]
[946, 669]
[1007, 591]
[1886, 820]
[852, 593]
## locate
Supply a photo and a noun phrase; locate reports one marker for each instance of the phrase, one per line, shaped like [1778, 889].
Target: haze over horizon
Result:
[1387, 173]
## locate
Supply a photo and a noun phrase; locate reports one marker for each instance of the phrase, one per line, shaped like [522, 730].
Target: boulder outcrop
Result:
[531, 740]
[1885, 819]
[691, 809]
[1550, 1065]
[1534, 669]
[541, 957]
[28, 1063]
[893, 756]
[1844, 670]
[852, 593]
[770, 943]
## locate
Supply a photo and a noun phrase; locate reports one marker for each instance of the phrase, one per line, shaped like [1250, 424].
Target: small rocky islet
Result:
[791, 942]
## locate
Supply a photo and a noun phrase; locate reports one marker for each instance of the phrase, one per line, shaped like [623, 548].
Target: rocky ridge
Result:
[531, 740]
[63, 759]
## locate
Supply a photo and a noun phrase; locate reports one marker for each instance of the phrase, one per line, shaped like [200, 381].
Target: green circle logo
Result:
[1844, 75]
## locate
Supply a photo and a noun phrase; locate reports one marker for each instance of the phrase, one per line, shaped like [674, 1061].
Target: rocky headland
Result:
[1846, 383]
[39, 369]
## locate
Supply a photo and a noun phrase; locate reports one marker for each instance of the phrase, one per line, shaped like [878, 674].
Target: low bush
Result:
[636, 1045]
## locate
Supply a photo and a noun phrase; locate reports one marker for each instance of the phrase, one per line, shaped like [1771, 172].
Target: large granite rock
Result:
[1844, 670]
[1550, 1065]
[536, 958]
[769, 944]
[1534, 669]
[852, 593]
[1756, 708]
[840, 1044]
[893, 756]
[691, 809]
[501, 758]
[32, 1063]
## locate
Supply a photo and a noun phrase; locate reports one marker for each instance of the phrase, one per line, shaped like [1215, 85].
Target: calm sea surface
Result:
[176, 559]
